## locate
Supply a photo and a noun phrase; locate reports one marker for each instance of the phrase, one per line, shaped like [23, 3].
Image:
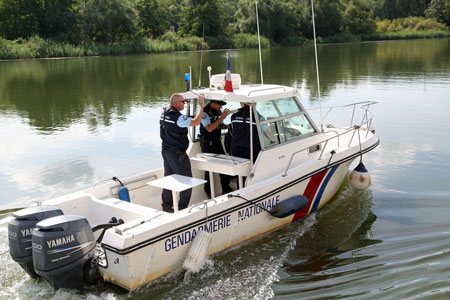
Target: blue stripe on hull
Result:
[323, 187]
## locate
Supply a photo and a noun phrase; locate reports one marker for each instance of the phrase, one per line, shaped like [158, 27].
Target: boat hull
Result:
[229, 223]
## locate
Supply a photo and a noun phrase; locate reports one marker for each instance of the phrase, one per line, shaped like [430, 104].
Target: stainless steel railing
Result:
[366, 120]
[365, 107]
[264, 89]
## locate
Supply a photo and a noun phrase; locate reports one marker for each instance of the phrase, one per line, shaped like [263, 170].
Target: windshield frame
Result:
[276, 121]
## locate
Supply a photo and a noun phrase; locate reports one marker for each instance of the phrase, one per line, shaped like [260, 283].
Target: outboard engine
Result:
[62, 246]
[19, 233]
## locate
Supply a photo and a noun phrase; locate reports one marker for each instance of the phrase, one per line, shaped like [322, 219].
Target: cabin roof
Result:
[250, 93]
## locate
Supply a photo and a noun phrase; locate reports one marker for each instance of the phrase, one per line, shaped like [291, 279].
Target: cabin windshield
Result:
[283, 120]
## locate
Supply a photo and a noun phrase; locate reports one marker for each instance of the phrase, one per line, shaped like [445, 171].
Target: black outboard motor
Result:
[61, 248]
[19, 233]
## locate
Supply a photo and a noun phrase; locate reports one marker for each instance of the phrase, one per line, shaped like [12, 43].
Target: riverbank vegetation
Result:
[61, 28]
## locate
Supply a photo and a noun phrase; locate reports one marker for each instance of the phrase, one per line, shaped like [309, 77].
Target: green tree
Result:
[328, 18]
[56, 19]
[415, 7]
[18, 18]
[107, 21]
[172, 9]
[246, 17]
[229, 16]
[199, 13]
[278, 19]
[153, 20]
[358, 17]
[439, 10]
[377, 6]
[392, 9]
[88, 21]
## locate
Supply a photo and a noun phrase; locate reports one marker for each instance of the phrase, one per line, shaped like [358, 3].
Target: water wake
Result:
[246, 271]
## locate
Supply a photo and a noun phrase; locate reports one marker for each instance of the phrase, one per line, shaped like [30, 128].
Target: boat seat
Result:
[221, 164]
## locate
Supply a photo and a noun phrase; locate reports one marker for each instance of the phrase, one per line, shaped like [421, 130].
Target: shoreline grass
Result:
[39, 48]
[36, 47]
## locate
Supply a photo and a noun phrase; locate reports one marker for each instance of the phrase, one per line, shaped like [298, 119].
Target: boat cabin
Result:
[281, 122]
[282, 115]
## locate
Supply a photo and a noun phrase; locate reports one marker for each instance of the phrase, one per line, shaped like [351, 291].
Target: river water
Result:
[67, 124]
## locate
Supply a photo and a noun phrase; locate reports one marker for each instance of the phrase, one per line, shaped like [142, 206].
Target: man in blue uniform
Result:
[174, 136]
[210, 132]
[240, 142]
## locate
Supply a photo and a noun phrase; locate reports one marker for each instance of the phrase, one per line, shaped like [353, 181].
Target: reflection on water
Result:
[54, 94]
[330, 249]
[67, 124]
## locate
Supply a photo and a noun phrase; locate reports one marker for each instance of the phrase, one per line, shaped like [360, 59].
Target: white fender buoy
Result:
[360, 177]
[197, 251]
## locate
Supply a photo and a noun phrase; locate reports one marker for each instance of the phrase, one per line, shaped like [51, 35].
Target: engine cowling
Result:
[19, 233]
[61, 247]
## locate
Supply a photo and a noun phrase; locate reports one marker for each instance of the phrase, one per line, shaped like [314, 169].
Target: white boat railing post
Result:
[251, 137]
[353, 135]
[190, 78]
[201, 59]
[259, 42]
[323, 149]
[353, 115]
[317, 65]
[209, 76]
[369, 124]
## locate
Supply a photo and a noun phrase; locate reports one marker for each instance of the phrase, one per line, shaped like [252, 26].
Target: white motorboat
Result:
[95, 234]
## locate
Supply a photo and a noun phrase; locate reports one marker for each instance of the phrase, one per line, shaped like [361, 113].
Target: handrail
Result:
[337, 135]
[330, 108]
[306, 148]
[369, 102]
[267, 89]
[204, 203]
[136, 223]
[365, 120]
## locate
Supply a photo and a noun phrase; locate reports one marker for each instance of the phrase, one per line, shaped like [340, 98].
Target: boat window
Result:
[278, 108]
[268, 110]
[285, 121]
[271, 135]
[293, 127]
[287, 106]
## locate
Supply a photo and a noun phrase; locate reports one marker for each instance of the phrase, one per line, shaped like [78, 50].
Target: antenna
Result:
[317, 64]
[201, 58]
[259, 42]
[209, 76]
[190, 76]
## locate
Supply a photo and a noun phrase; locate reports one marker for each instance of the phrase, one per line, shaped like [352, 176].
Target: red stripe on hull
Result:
[310, 193]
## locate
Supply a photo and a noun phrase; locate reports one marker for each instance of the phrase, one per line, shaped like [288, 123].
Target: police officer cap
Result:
[218, 102]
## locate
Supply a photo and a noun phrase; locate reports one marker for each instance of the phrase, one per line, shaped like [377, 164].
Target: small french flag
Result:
[228, 85]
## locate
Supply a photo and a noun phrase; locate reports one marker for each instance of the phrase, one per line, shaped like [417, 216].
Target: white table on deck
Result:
[176, 183]
[222, 164]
